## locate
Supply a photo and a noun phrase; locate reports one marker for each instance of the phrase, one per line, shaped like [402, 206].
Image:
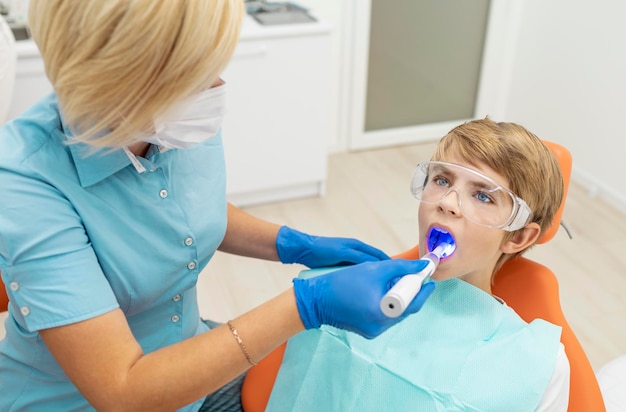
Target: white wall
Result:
[18, 10]
[568, 84]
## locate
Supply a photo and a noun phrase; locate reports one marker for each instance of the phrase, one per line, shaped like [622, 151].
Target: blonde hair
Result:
[117, 64]
[509, 149]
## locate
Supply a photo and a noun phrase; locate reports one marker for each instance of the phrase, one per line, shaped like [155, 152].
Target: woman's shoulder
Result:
[25, 135]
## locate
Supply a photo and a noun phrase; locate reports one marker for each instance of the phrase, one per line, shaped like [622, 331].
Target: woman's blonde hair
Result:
[117, 64]
[509, 149]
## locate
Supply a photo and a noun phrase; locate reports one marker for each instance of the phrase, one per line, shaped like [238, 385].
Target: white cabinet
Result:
[31, 83]
[276, 130]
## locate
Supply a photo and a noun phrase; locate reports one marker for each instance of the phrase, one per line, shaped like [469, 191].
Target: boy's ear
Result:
[522, 239]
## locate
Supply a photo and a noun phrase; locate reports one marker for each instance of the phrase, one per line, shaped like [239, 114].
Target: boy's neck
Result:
[481, 281]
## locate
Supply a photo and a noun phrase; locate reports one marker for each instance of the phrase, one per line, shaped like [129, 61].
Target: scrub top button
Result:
[25, 311]
[163, 193]
[189, 241]
[14, 286]
[191, 265]
[175, 318]
[176, 298]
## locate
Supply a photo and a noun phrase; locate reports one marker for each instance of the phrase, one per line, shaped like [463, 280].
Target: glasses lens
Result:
[478, 198]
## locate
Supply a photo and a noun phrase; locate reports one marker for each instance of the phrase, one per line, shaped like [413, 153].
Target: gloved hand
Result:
[350, 298]
[318, 251]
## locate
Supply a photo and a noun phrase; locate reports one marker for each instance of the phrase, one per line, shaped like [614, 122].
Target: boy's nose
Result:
[450, 202]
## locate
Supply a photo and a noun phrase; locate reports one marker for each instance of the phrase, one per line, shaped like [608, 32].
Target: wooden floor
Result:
[368, 197]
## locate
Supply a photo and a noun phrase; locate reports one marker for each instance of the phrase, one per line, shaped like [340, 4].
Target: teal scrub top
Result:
[81, 235]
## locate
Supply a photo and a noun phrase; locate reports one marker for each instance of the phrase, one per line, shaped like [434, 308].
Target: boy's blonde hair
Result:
[509, 149]
[117, 64]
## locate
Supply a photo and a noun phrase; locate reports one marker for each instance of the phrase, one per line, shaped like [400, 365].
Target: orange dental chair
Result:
[530, 288]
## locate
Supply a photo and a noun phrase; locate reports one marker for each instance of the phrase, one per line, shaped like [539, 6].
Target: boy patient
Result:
[495, 188]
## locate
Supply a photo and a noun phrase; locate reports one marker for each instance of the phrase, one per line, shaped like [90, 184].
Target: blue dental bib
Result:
[464, 351]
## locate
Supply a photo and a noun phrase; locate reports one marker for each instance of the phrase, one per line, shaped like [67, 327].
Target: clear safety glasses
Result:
[479, 198]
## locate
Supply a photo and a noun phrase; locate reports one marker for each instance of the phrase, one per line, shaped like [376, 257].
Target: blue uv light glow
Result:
[441, 237]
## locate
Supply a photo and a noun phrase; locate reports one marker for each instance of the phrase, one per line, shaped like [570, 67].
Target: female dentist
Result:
[114, 200]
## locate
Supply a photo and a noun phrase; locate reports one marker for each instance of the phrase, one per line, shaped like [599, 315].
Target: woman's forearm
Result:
[249, 236]
[174, 376]
[211, 360]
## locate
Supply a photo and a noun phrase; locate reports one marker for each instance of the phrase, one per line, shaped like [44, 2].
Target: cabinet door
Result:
[276, 129]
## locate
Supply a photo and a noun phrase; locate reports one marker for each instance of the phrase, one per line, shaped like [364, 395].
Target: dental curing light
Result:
[440, 245]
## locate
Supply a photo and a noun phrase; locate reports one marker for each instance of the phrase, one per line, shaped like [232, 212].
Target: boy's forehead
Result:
[480, 167]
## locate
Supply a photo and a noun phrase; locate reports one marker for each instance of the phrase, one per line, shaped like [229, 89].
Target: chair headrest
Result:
[564, 157]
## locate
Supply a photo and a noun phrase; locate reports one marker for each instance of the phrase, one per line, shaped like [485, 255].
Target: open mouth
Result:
[441, 242]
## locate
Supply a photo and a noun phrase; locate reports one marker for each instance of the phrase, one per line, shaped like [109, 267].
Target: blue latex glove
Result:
[318, 251]
[350, 298]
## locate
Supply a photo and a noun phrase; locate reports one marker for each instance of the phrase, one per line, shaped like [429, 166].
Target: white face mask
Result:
[193, 122]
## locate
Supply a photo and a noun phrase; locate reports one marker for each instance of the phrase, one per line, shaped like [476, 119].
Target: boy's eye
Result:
[483, 197]
[441, 181]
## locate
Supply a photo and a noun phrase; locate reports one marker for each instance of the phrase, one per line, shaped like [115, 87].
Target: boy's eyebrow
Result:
[484, 184]
[441, 169]
[480, 184]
